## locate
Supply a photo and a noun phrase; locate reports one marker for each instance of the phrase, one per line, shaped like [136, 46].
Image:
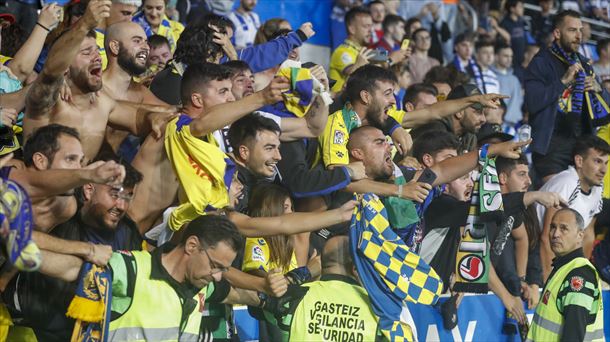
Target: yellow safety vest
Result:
[156, 313]
[548, 321]
[334, 310]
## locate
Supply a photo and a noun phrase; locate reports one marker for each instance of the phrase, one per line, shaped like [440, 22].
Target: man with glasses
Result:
[160, 295]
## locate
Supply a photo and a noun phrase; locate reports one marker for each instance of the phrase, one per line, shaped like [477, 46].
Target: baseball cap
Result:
[6, 14]
[490, 131]
[465, 90]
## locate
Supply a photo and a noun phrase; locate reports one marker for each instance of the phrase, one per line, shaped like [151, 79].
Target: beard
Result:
[374, 114]
[80, 78]
[566, 45]
[129, 64]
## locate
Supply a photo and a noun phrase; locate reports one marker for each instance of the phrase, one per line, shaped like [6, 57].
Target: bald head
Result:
[336, 258]
[360, 136]
[125, 43]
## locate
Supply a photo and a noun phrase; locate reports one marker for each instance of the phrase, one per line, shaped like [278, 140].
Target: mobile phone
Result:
[427, 176]
[308, 65]
[380, 56]
[405, 44]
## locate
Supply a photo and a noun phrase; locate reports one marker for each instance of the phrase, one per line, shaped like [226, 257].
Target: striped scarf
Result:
[16, 208]
[391, 274]
[90, 306]
[471, 69]
[575, 97]
[472, 258]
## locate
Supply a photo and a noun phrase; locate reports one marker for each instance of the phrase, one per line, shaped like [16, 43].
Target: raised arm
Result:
[224, 114]
[291, 223]
[442, 109]
[141, 118]
[47, 183]
[453, 168]
[25, 59]
[45, 91]
[314, 122]
[97, 254]
[60, 266]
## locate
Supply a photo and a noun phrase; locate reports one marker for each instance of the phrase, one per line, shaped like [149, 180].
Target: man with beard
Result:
[127, 52]
[52, 169]
[557, 81]
[368, 145]
[101, 223]
[90, 110]
[464, 123]
[581, 186]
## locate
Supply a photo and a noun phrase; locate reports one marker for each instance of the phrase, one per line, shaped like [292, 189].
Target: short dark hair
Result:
[132, 176]
[602, 44]
[415, 89]
[245, 129]
[199, 74]
[559, 18]
[45, 140]
[408, 24]
[391, 20]
[501, 46]
[464, 37]
[375, 2]
[482, 42]
[510, 4]
[583, 144]
[364, 78]
[156, 41]
[196, 44]
[421, 29]
[351, 15]
[507, 165]
[237, 66]
[432, 142]
[213, 229]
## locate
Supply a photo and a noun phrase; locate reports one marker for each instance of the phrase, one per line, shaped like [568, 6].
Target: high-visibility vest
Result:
[548, 321]
[156, 312]
[334, 310]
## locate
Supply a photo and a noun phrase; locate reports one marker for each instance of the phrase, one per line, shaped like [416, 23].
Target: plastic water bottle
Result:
[524, 133]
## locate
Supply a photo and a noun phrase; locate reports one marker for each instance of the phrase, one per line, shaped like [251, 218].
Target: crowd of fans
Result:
[172, 158]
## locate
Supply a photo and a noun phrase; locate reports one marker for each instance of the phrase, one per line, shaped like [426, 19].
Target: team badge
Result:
[472, 267]
[339, 137]
[576, 283]
[545, 298]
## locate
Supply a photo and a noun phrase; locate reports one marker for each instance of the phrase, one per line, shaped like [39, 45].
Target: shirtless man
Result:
[52, 169]
[127, 51]
[90, 109]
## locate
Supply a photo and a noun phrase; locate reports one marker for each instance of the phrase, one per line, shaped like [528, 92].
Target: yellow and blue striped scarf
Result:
[391, 274]
[90, 306]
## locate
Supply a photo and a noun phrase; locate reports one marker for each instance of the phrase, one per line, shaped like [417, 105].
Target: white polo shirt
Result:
[567, 184]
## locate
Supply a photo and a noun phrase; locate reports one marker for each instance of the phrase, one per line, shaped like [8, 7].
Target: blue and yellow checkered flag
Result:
[391, 274]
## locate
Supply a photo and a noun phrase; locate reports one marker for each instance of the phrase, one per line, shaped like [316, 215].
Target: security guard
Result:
[334, 308]
[161, 295]
[571, 305]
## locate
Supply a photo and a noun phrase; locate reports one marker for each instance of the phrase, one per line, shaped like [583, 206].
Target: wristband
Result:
[523, 279]
[299, 275]
[262, 297]
[44, 27]
[483, 152]
[400, 186]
